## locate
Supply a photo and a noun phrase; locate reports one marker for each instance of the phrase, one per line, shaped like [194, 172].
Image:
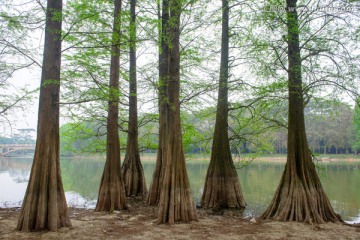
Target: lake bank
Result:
[139, 222]
[320, 159]
[276, 158]
[237, 160]
[273, 158]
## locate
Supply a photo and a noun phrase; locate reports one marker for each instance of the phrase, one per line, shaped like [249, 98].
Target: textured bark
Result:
[132, 169]
[158, 174]
[176, 203]
[300, 196]
[112, 191]
[44, 206]
[222, 186]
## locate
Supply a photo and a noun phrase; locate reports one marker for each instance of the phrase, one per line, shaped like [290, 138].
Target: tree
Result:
[299, 196]
[82, 138]
[175, 203]
[44, 206]
[88, 42]
[222, 186]
[158, 174]
[112, 192]
[329, 126]
[328, 60]
[132, 169]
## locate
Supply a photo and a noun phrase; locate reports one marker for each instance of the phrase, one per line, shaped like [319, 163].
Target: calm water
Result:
[81, 179]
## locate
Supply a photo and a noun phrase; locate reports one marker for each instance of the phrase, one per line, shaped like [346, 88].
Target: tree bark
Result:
[300, 196]
[158, 174]
[222, 186]
[112, 192]
[44, 206]
[132, 170]
[176, 203]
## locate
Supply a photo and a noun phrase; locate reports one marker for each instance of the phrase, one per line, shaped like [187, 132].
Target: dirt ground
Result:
[139, 222]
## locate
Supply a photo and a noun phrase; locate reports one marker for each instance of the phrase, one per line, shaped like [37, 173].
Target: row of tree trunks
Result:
[300, 196]
[44, 206]
[112, 192]
[222, 186]
[132, 170]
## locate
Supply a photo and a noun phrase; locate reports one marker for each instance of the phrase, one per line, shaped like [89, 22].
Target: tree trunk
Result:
[44, 206]
[111, 192]
[300, 196]
[158, 174]
[222, 186]
[132, 169]
[176, 203]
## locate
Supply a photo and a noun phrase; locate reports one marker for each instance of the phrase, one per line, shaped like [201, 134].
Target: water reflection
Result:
[81, 178]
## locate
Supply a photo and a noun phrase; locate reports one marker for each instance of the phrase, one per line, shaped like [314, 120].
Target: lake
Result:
[259, 180]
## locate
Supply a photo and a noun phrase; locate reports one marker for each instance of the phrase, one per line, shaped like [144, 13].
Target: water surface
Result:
[81, 178]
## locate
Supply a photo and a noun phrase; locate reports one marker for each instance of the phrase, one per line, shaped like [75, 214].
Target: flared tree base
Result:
[133, 174]
[112, 192]
[222, 185]
[301, 199]
[44, 206]
[222, 192]
[176, 204]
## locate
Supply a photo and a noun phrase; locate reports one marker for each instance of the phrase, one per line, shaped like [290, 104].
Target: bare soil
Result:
[139, 222]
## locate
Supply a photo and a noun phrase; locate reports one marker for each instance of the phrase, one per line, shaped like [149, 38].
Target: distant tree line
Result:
[22, 136]
[332, 128]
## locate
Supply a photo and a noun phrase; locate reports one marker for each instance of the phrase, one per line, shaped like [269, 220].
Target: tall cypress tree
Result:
[44, 206]
[300, 195]
[112, 191]
[222, 186]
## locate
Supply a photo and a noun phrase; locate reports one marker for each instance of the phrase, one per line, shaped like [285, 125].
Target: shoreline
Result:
[330, 158]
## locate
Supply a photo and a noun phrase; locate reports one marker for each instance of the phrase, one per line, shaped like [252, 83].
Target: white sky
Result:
[26, 118]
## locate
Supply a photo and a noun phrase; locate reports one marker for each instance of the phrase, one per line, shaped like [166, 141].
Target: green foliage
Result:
[258, 72]
[17, 27]
[356, 143]
[329, 126]
[198, 130]
[253, 126]
[13, 23]
[88, 38]
[194, 138]
[78, 138]
[50, 82]
[89, 137]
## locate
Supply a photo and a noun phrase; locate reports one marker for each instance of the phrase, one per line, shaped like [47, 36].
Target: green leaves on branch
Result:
[356, 143]
[80, 138]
